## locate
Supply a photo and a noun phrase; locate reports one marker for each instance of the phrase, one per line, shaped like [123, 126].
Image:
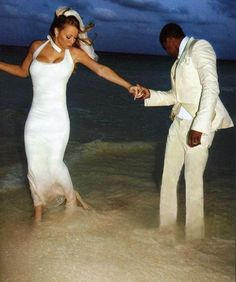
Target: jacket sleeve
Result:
[204, 58]
[160, 98]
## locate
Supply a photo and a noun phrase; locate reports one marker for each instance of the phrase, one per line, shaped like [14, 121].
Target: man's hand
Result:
[142, 92]
[194, 138]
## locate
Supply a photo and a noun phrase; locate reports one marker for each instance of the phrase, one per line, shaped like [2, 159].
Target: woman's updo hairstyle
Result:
[61, 20]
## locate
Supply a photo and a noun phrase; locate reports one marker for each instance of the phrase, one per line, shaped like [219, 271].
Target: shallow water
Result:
[118, 238]
[115, 157]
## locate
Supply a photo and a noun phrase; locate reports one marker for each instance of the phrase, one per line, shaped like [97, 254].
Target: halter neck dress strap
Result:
[39, 49]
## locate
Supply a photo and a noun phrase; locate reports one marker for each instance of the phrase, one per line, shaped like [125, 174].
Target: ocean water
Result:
[115, 157]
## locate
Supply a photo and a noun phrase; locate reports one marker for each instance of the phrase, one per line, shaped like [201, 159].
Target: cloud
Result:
[103, 14]
[227, 7]
[10, 9]
[77, 4]
[151, 5]
[196, 20]
[120, 24]
[148, 5]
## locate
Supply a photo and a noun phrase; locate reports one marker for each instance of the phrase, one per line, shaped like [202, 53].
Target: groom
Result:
[197, 113]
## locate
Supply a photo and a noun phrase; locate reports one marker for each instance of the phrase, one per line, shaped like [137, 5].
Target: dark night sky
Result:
[130, 26]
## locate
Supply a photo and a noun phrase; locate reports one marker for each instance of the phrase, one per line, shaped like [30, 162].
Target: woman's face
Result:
[67, 36]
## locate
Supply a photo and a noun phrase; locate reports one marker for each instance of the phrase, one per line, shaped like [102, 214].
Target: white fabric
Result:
[86, 48]
[47, 132]
[196, 86]
[182, 46]
[177, 154]
[183, 114]
[54, 45]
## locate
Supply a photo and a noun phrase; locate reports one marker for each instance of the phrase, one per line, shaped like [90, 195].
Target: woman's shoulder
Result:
[35, 45]
[75, 51]
[77, 54]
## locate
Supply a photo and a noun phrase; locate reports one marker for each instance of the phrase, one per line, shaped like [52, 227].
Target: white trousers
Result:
[177, 155]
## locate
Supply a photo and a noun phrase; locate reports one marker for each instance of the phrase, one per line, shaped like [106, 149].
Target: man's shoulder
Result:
[202, 48]
[201, 43]
[194, 43]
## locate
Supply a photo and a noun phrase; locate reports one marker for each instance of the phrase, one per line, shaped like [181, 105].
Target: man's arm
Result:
[204, 59]
[158, 98]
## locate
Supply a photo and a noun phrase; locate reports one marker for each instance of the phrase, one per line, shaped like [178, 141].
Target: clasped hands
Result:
[139, 92]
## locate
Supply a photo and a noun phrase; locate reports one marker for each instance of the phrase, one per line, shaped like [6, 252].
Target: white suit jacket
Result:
[195, 87]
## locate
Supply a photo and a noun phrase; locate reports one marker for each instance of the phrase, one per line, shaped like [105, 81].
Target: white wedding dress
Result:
[47, 131]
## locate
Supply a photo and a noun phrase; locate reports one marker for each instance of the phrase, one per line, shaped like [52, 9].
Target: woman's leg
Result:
[38, 213]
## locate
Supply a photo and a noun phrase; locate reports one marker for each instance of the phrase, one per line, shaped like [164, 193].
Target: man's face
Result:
[171, 46]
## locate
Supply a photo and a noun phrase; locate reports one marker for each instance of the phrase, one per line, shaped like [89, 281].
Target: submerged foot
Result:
[80, 202]
[38, 214]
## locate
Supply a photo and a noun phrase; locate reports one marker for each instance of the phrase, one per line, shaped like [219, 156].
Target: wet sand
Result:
[118, 238]
[116, 241]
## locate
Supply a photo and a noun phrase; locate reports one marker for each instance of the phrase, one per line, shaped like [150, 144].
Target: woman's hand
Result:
[139, 92]
[134, 90]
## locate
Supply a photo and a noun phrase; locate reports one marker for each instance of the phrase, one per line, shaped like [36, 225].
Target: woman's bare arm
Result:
[101, 70]
[21, 70]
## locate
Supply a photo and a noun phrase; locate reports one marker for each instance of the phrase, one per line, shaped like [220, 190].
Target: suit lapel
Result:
[186, 48]
[181, 59]
[174, 67]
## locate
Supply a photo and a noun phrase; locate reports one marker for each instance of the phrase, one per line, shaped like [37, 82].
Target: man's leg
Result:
[195, 163]
[173, 163]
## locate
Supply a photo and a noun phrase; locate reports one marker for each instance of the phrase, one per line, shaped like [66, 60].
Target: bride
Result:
[50, 64]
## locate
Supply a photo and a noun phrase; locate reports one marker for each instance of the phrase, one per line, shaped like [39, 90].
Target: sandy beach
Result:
[118, 238]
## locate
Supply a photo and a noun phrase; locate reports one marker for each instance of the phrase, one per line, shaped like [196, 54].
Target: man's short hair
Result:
[170, 30]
